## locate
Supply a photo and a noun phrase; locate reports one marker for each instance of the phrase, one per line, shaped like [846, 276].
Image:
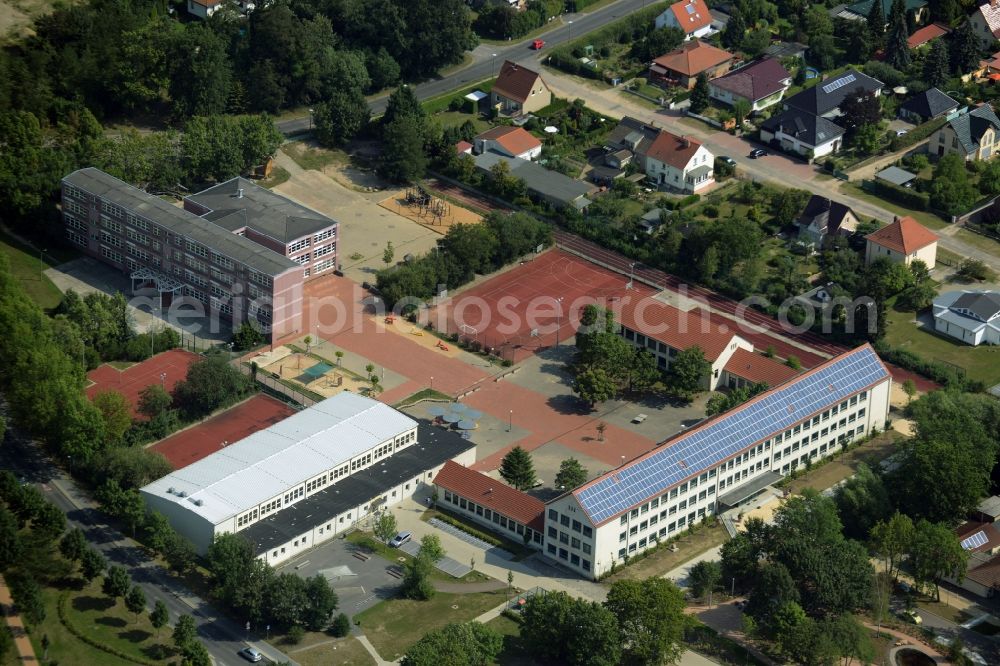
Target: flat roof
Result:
[749, 489]
[260, 209]
[180, 221]
[434, 446]
[282, 456]
[895, 175]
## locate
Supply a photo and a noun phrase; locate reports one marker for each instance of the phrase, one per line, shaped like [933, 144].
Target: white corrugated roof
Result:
[254, 469]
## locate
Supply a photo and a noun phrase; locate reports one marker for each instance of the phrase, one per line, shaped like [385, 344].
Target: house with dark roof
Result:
[824, 98]
[981, 540]
[902, 242]
[974, 134]
[682, 66]
[761, 84]
[554, 188]
[859, 10]
[930, 104]
[692, 17]
[986, 22]
[823, 218]
[801, 132]
[519, 90]
[971, 316]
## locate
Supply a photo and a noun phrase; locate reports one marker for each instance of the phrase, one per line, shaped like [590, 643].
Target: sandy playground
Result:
[292, 366]
[435, 214]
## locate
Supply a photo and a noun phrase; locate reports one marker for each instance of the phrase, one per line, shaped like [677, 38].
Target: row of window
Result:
[137, 237]
[79, 239]
[195, 248]
[108, 253]
[298, 245]
[260, 278]
[575, 525]
[572, 541]
[324, 265]
[323, 235]
[324, 250]
[293, 495]
[493, 516]
[74, 223]
[572, 558]
[108, 223]
[246, 519]
[112, 240]
[138, 252]
[76, 208]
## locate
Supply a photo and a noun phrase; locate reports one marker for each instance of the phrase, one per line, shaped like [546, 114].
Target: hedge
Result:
[471, 531]
[903, 195]
[917, 134]
[939, 372]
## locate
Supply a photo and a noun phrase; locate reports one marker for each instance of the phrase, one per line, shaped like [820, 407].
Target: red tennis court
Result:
[191, 445]
[168, 367]
[534, 305]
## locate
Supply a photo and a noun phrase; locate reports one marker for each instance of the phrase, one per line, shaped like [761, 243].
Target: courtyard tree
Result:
[116, 582]
[135, 601]
[388, 253]
[699, 94]
[571, 474]
[73, 544]
[385, 526]
[936, 553]
[185, 631]
[468, 644]
[517, 469]
[116, 412]
[688, 370]
[705, 577]
[891, 540]
[651, 619]
[558, 628]
[159, 616]
[862, 501]
[92, 563]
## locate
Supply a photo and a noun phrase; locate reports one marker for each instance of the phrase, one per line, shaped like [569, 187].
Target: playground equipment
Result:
[440, 345]
[427, 205]
[416, 331]
[390, 319]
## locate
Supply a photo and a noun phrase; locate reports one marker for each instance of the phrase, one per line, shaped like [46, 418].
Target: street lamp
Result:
[163, 380]
[310, 119]
[41, 263]
[510, 420]
[631, 275]
[432, 382]
[570, 24]
[558, 318]
[493, 66]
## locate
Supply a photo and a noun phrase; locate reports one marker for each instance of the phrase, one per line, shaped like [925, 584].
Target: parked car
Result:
[904, 587]
[250, 654]
[902, 132]
[400, 539]
[538, 44]
[726, 159]
[911, 616]
[757, 152]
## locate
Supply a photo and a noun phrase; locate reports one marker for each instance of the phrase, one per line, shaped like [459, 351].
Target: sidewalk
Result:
[25, 650]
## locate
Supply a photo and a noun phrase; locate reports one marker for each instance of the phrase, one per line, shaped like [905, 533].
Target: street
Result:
[221, 636]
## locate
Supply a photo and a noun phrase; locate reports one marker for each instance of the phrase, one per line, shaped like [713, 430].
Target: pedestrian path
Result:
[468, 538]
[25, 651]
[446, 564]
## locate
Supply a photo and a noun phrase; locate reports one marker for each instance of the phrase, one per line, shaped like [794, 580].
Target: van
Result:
[400, 539]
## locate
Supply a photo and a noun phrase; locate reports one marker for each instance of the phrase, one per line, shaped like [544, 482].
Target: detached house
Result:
[690, 16]
[519, 90]
[760, 84]
[975, 135]
[824, 99]
[203, 9]
[902, 242]
[986, 22]
[676, 162]
[823, 218]
[924, 106]
[509, 141]
[804, 133]
[971, 316]
[682, 66]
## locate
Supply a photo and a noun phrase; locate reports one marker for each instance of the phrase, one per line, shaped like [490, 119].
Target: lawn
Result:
[456, 118]
[277, 177]
[514, 652]
[979, 363]
[662, 561]
[393, 555]
[438, 104]
[927, 219]
[942, 609]
[843, 465]
[978, 241]
[343, 651]
[424, 394]
[308, 157]
[26, 267]
[395, 624]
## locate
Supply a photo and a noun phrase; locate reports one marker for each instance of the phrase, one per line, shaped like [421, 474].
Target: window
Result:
[298, 245]
[323, 235]
[588, 531]
[197, 249]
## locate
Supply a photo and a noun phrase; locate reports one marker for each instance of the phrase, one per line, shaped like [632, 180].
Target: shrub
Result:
[917, 134]
[711, 211]
[295, 635]
[905, 196]
[341, 625]
[471, 531]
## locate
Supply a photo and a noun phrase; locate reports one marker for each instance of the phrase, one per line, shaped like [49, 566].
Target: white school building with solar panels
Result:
[307, 478]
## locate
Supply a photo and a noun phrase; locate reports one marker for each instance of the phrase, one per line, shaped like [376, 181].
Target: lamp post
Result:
[41, 263]
[163, 380]
[432, 382]
[570, 24]
[493, 66]
[510, 420]
[310, 119]
[558, 318]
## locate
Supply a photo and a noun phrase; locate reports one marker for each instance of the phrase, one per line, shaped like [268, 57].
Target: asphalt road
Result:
[220, 635]
[485, 66]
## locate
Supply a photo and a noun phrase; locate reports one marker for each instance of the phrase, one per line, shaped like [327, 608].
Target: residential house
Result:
[552, 187]
[677, 162]
[988, 510]
[926, 106]
[682, 66]
[986, 22]
[463, 148]
[982, 570]
[761, 84]
[509, 141]
[903, 241]
[927, 34]
[203, 9]
[824, 99]
[824, 218]
[990, 68]
[974, 134]
[971, 316]
[804, 133]
[519, 90]
[859, 10]
[692, 17]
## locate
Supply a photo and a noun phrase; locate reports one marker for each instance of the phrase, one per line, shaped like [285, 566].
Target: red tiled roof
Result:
[691, 15]
[671, 149]
[675, 328]
[516, 140]
[991, 532]
[693, 58]
[515, 82]
[926, 34]
[757, 368]
[463, 147]
[990, 12]
[492, 494]
[905, 235]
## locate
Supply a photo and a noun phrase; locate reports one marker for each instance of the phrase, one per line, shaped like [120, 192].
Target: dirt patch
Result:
[429, 211]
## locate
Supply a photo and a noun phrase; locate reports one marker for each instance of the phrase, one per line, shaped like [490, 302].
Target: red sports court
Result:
[194, 443]
[167, 367]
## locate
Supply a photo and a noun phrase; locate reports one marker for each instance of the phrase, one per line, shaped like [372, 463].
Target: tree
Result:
[341, 625]
[240, 579]
[858, 109]
[135, 601]
[403, 159]
[876, 24]
[594, 385]
[937, 65]
[705, 577]
[92, 563]
[196, 654]
[557, 628]
[116, 411]
[210, 383]
[892, 539]
[341, 117]
[861, 502]
[472, 246]
[388, 254]
[28, 598]
[688, 370]
[936, 553]
[736, 29]
[699, 94]
[951, 189]
[651, 619]
[402, 103]
[971, 270]
[200, 75]
[49, 522]
[116, 582]
[153, 401]
[741, 110]
[741, 556]
[159, 616]
[965, 48]
[897, 50]
[247, 336]
[385, 526]
[10, 542]
[517, 469]
[416, 579]
[430, 547]
[73, 545]
[469, 644]
[184, 631]
[571, 474]
[910, 389]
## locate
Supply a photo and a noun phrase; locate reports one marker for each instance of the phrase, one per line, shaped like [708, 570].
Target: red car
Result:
[538, 44]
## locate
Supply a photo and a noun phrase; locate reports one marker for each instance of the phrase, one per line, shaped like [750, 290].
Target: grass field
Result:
[929, 220]
[25, 266]
[308, 157]
[980, 363]
[456, 118]
[664, 560]
[343, 651]
[277, 177]
[514, 653]
[394, 625]
[978, 241]
[845, 464]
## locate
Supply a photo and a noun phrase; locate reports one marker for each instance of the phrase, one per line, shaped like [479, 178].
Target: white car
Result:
[400, 539]
[250, 654]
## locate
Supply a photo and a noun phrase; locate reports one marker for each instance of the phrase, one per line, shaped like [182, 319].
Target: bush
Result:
[341, 625]
[902, 195]
[295, 635]
[938, 372]
[687, 201]
[974, 269]
[917, 134]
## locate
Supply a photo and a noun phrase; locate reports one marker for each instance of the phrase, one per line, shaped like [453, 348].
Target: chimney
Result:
[685, 142]
[239, 193]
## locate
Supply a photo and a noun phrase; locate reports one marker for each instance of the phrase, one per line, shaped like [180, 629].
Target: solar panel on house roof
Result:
[975, 541]
[706, 447]
[690, 9]
[839, 83]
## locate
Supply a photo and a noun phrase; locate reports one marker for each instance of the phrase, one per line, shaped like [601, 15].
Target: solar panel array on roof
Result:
[839, 83]
[706, 447]
[975, 541]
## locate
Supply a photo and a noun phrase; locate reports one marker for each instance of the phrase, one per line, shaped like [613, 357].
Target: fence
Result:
[281, 390]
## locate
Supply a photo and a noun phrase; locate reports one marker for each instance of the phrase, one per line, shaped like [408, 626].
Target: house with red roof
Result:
[903, 241]
[678, 162]
[986, 22]
[482, 499]
[761, 84]
[926, 35]
[203, 9]
[519, 90]
[682, 66]
[509, 141]
[690, 16]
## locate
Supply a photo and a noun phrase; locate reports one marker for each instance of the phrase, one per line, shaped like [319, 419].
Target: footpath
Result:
[25, 651]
